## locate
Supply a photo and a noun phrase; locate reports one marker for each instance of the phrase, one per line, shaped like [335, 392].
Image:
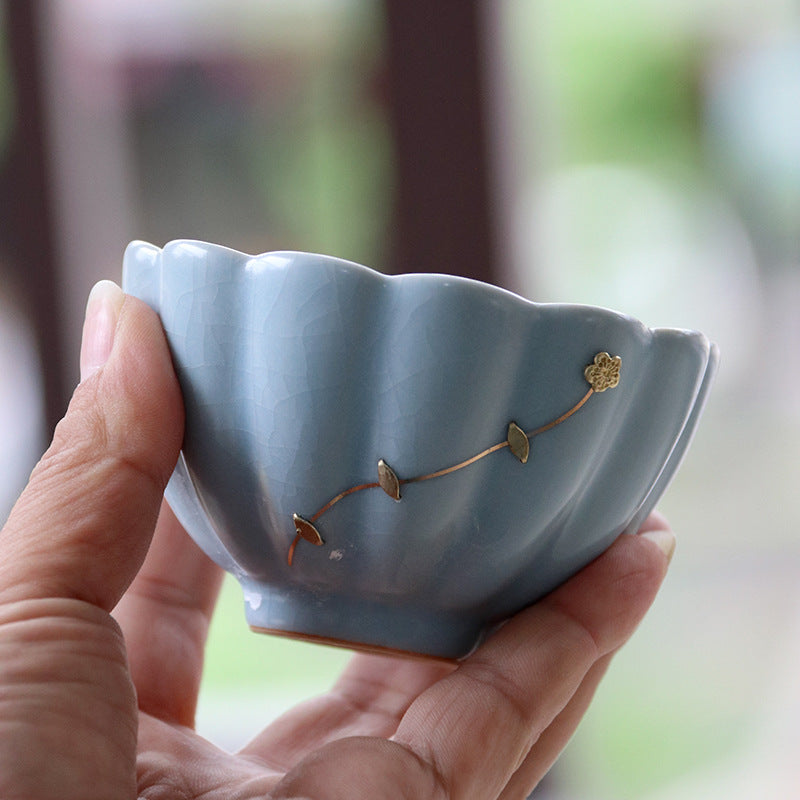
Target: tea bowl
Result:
[399, 463]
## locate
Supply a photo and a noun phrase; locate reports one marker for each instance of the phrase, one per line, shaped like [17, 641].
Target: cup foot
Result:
[361, 624]
[360, 647]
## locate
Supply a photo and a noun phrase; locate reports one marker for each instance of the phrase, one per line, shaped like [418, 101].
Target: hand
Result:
[100, 706]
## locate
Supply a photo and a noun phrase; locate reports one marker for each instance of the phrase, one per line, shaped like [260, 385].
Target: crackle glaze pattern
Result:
[300, 372]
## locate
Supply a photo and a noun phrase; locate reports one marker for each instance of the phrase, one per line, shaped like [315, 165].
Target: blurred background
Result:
[643, 156]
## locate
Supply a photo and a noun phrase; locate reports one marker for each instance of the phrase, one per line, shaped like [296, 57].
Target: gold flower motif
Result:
[604, 373]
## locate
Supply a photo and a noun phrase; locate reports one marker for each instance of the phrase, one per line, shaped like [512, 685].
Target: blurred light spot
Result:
[670, 254]
[21, 412]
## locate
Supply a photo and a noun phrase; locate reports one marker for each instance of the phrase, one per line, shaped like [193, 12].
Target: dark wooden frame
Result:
[28, 239]
[442, 222]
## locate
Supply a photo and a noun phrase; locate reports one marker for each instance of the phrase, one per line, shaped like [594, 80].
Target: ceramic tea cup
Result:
[401, 462]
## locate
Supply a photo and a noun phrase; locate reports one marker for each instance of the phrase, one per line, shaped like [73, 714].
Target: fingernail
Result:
[663, 539]
[99, 326]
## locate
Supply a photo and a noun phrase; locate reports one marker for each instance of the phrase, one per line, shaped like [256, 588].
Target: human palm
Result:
[102, 633]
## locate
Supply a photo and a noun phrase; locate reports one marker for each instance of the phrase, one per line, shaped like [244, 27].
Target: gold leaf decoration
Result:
[388, 480]
[518, 442]
[604, 372]
[305, 529]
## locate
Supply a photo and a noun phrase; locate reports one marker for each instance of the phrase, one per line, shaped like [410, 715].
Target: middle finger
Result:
[165, 616]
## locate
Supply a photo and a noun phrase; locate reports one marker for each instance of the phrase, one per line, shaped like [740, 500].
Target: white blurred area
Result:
[21, 417]
[701, 230]
[669, 254]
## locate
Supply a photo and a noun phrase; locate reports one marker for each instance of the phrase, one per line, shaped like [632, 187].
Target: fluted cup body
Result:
[301, 373]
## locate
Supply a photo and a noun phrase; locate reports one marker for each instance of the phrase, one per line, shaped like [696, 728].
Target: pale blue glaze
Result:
[300, 371]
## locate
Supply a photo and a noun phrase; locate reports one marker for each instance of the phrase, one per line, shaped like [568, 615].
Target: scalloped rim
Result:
[437, 278]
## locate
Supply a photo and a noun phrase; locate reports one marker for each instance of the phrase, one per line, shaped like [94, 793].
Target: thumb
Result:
[82, 526]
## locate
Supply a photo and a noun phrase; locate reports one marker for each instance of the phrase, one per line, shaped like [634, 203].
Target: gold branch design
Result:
[602, 374]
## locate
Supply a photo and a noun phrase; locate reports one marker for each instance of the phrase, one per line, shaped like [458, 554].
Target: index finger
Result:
[82, 526]
[473, 729]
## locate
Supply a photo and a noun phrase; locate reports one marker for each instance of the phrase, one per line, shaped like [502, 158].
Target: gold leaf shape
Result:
[305, 529]
[518, 442]
[604, 372]
[388, 480]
